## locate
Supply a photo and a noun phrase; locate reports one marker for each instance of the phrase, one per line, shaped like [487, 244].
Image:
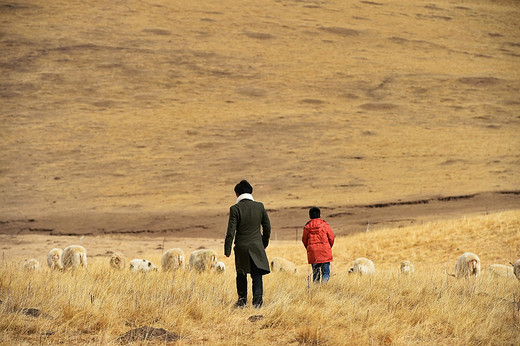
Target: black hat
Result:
[314, 213]
[243, 187]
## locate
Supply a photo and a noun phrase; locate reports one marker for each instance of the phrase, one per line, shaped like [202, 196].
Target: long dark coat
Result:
[245, 219]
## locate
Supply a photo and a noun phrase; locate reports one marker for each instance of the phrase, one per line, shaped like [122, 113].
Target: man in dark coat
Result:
[245, 219]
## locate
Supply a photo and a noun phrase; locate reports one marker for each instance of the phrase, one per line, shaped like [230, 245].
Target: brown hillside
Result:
[158, 108]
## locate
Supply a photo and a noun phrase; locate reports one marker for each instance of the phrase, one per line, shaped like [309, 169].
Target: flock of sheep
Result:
[75, 256]
[467, 265]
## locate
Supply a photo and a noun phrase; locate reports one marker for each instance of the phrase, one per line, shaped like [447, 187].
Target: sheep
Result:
[141, 265]
[516, 268]
[467, 265]
[173, 259]
[118, 261]
[279, 264]
[407, 267]
[54, 259]
[31, 264]
[501, 270]
[363, 266]
[219, 268]
[203, 259]
[74, 256]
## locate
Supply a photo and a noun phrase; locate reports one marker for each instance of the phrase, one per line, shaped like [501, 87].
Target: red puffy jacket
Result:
[318, 239]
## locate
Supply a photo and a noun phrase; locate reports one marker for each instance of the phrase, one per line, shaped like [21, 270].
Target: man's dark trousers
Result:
[258, 286]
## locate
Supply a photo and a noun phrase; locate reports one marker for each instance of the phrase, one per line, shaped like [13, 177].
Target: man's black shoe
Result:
[240, 303]
[257, 302]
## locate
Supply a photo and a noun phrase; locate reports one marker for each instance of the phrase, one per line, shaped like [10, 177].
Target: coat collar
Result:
[245, 196]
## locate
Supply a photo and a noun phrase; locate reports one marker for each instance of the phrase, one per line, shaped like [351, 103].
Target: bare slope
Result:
[159, 106]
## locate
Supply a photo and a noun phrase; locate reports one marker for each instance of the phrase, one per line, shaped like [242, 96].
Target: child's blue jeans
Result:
[321, 270]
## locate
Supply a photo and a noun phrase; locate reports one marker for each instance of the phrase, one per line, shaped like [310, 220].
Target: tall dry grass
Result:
[97, 305]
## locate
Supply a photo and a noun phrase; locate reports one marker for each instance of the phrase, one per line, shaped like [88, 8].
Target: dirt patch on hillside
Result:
[148, 235]
[286, 222]
[148, 334]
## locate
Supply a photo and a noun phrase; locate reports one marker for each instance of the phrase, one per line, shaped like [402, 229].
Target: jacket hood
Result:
[314, 224]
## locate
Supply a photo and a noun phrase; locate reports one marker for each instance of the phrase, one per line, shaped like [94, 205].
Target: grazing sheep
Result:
[74, 256]
[203, 259]
[501, 270]
[54, 259]
[31, 264]
[279, 264]
[468, 264]
[220, 267]
[407, 267]
[141, 265]
[516, 268]
[363, 266]
[118, 261]
[173, 259]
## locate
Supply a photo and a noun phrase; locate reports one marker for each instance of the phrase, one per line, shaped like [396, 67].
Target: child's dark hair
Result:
[314, 213]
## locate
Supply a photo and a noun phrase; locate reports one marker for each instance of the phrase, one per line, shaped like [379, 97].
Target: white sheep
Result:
[279, 264]
[118, 261]
[173, 259]
[54, 259]
[74, 256]
[31, 264]
[141, 265]
[501, 270]
[363, 266]
[468, 264]
[407, 267]
[516, 268]
[203, 259]
[219, 268]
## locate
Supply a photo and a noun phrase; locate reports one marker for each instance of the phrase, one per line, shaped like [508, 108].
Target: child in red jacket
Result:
[318, 239]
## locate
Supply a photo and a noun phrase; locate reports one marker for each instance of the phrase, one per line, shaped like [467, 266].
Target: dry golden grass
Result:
[97, 305]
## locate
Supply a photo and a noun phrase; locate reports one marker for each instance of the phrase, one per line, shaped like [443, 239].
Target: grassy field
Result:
[98, 305]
